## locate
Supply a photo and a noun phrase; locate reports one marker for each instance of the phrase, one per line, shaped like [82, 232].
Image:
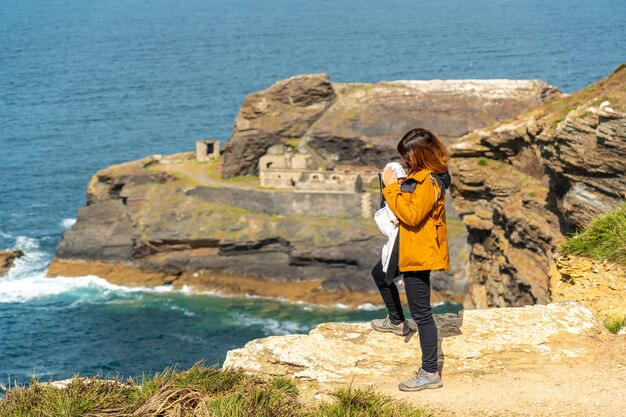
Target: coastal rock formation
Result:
[360, 123]
[473, 341]
[177, 220]
[7, 259]
[171, 220]
[519, 186]
[599, 285]
[282, 112]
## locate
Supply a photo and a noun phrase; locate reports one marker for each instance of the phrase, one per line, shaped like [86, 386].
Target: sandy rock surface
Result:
[540, 360]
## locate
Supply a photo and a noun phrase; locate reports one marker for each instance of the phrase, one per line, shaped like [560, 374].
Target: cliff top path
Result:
[542, 360]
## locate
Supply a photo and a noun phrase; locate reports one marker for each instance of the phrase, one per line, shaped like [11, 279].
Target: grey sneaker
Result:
[385, 325]
[420, 381]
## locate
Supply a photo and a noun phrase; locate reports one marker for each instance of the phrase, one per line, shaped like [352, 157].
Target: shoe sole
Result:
[422, 387]
[385, 330]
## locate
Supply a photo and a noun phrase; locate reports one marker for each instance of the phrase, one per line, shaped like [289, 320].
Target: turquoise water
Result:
[84, 85]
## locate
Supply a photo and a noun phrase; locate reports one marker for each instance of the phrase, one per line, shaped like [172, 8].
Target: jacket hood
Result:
[445, 178]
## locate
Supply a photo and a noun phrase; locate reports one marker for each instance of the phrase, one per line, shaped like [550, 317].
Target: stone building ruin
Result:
[207, 149]
[282, 168]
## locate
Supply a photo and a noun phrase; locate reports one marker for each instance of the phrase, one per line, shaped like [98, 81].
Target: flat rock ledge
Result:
[547, 360]
[474, 340]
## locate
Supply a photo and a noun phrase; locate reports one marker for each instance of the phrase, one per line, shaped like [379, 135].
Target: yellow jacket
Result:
[423, 234]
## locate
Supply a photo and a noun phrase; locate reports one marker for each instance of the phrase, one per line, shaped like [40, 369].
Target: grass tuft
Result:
[603, 239]
[615, 323]
[367, 403]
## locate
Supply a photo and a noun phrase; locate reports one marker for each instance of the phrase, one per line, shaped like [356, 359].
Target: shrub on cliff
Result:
[603, 239]
[200, 391]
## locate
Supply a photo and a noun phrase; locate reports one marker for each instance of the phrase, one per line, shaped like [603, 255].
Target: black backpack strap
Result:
[381, 204]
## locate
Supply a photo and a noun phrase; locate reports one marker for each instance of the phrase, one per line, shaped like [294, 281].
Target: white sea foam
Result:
[183, 310]
[67, 223]
[368, 307]
[271, 326]
[27, 280]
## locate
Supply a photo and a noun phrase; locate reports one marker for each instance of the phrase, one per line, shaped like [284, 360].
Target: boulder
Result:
[7, 259]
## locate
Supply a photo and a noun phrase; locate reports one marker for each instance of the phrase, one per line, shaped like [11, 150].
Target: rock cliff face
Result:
[7, 259]
[360, 124]
[171, 220]
[599, 285]
[519, 186]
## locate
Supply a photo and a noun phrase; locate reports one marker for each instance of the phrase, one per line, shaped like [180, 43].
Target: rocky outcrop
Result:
[474, 341]
[170, 220]
[361, 123]
[519, 186]
[282, 112]
[7, 259]
[599, 285]
[519, 361]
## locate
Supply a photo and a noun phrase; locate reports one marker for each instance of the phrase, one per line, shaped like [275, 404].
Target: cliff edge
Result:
[520, 186]
[548, 360]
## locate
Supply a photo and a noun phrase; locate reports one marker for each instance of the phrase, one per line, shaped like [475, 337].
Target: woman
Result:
[421, 246]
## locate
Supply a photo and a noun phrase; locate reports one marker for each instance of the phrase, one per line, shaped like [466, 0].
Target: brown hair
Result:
[421, 149]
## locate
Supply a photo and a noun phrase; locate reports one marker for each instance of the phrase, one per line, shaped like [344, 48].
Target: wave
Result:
[27, 280]
[67, 223]
[88, 288]
[271, 327]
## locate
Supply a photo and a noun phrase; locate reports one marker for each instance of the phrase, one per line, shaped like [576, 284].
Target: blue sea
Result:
[88, 84]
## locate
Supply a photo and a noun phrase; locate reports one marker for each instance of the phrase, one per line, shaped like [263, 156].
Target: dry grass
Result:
[200, 391]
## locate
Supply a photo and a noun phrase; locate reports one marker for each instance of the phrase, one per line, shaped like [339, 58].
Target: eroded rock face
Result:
[521, 185]
[474, 341]
[283, 111]
[167, 222]
[360, 124]
[599, 285]
[7, 259]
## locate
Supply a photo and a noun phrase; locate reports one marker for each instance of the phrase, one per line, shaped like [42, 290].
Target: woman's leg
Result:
[390, 294]
[417, 285]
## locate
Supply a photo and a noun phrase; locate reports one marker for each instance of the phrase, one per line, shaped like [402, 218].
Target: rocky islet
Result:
[174, 220]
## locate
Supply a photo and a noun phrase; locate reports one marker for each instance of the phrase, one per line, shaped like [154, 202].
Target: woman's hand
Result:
[389, 177]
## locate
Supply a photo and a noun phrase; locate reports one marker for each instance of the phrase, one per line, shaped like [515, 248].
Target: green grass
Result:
[200, 391]
[615, 323]
[367, 403]
[603, 239]
[482, 162]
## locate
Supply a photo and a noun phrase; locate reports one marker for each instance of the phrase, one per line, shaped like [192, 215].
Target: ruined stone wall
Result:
[288, 203]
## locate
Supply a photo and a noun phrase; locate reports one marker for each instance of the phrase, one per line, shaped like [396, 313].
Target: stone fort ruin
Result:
[283, 168]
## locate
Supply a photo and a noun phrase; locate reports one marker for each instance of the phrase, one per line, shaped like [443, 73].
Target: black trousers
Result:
[417, 287]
